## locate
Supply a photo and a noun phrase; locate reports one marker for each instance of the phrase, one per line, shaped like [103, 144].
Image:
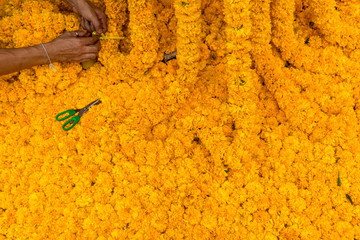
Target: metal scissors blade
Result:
[85, 109]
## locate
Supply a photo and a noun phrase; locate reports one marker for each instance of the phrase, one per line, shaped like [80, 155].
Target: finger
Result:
[93, 18]
[81, 33]
[86, 25]
[96, 23]
[88, 57]
[102, 19]
[83, 58]
[93, 29]
[83, 22]
[93, 48]
[89, 40]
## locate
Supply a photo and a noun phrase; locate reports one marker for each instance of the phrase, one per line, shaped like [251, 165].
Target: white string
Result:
[50, 65]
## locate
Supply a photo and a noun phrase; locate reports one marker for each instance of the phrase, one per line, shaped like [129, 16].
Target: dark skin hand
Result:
[65, 48]
[69, 48]
[93, 19]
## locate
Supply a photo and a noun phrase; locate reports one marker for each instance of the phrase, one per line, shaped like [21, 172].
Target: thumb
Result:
[82, 33]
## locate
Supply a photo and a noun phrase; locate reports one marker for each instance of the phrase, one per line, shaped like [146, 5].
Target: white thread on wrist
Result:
[50, 65]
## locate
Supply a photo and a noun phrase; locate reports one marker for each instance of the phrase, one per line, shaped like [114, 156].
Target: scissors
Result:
[74, 120]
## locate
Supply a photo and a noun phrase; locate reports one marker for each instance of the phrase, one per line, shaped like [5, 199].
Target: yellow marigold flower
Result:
[242, 136]
[188, 39]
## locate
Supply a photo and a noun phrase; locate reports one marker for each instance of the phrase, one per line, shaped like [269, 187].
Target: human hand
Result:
[70, 48]
[93, 19]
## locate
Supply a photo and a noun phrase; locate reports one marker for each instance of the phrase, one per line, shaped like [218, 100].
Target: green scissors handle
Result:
[72, 121]
[70, 113]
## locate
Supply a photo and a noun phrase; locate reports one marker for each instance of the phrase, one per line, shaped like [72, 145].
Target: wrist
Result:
[71, 2]
[49, 52]
[74, 5]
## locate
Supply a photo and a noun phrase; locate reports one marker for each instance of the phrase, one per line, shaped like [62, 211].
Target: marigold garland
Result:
[144, 37]
[328, 19]
[246, 134]
[189, 24]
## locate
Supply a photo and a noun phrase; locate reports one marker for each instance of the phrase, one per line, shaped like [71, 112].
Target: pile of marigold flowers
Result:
[251, 133]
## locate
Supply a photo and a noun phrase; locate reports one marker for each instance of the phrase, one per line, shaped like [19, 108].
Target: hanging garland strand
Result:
[188, 14]
[144, 36]
[300, 54]
[335, 30]
[243, 82]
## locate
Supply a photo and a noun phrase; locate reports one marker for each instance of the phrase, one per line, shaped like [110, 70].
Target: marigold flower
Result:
[243, 135]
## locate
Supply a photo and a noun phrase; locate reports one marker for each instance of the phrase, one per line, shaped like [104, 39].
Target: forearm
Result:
[15, 59]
